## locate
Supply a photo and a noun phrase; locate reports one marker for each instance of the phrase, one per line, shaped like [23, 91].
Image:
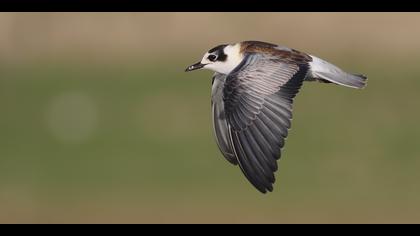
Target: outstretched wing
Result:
[258, 97]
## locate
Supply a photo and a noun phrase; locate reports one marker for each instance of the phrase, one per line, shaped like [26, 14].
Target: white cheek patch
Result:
[234, 55]
[234, 58]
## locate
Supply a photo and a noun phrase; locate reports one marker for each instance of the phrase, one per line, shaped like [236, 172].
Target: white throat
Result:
[234, 57]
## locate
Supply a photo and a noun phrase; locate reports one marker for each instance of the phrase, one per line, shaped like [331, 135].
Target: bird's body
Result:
[252, 96]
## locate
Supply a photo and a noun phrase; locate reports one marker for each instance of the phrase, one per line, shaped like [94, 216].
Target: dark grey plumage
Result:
[220, 126]
[257, 99]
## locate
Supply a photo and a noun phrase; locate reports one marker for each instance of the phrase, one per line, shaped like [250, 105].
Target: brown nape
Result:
[291, 55]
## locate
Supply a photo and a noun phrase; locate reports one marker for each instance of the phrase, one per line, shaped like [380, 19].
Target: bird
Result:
[253, 89]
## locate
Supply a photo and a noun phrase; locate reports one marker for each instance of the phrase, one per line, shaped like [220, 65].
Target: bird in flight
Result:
[253, 89]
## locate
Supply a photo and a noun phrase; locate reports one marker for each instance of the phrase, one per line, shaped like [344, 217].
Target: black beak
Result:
[196, 66]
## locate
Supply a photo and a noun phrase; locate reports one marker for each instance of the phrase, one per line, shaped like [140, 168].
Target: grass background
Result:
[100, 124]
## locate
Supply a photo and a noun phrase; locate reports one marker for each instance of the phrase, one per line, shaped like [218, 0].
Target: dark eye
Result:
[212, 57]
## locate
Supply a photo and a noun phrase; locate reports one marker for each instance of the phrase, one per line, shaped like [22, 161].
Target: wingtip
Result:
[265, 189]
[364, 80]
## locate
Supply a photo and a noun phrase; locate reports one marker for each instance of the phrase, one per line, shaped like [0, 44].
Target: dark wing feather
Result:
[220, 127]
[258, 97]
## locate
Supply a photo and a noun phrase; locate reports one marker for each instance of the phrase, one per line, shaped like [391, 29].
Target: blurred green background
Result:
[100, 124]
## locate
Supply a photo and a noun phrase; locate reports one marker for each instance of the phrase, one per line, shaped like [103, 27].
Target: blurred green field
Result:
[85, 140]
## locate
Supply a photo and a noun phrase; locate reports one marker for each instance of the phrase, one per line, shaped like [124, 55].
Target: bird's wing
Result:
[220, 128]
[258, 97]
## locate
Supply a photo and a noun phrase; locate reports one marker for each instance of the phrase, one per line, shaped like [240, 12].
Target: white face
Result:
[234, 57]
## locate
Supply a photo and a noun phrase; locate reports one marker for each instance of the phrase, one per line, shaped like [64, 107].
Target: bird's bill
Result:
[196, 66]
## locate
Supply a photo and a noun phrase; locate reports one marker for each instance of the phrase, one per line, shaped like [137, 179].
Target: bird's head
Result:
[222, 59]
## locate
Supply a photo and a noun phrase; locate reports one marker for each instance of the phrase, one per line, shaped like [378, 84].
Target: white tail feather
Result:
[324, 70]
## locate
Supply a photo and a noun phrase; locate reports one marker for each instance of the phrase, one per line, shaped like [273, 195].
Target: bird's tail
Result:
[327, 72]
